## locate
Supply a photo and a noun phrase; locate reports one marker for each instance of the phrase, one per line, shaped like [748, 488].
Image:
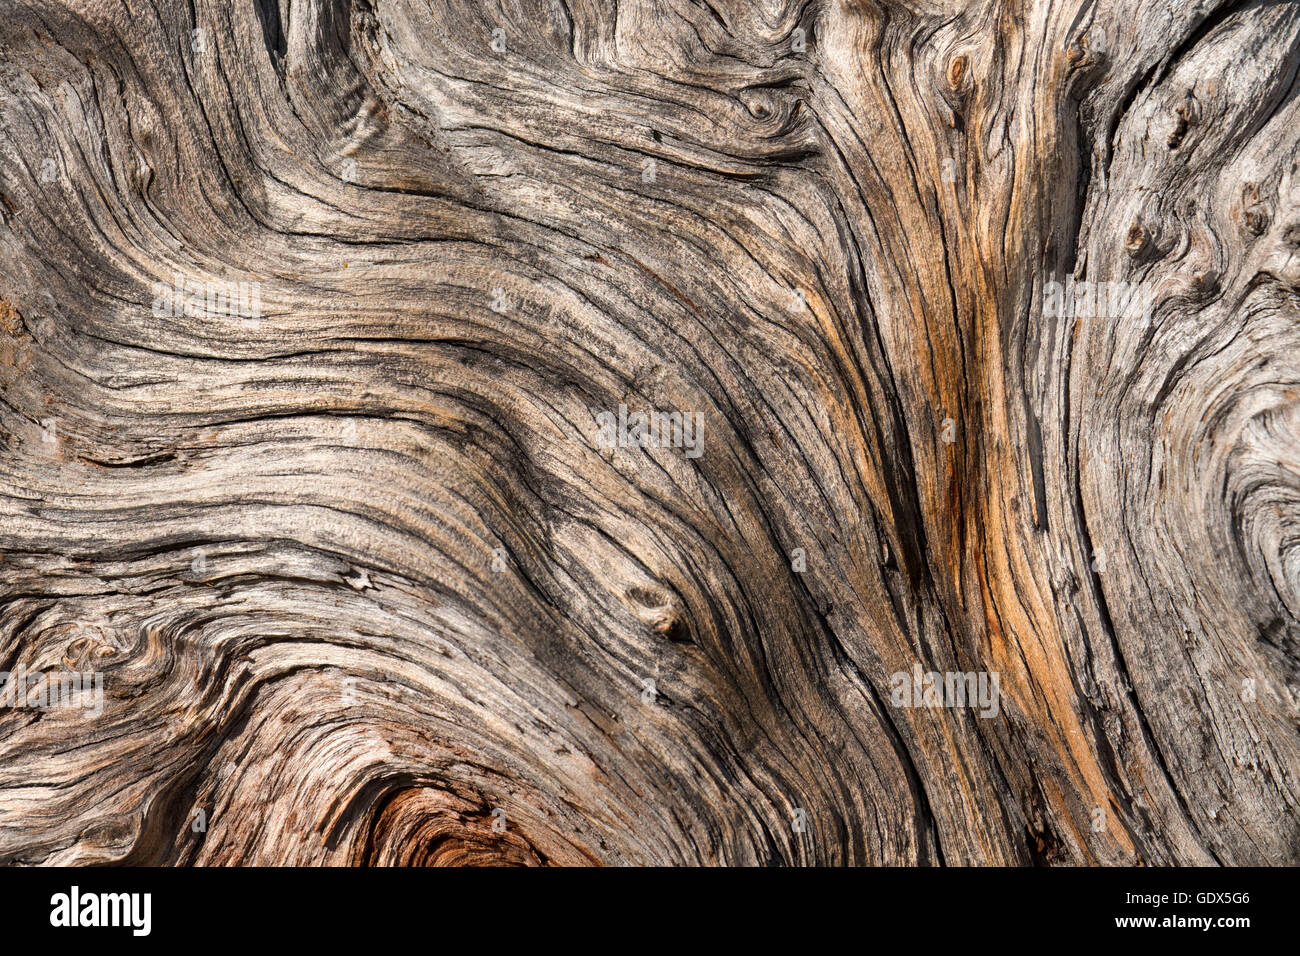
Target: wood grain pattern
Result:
[315, 318]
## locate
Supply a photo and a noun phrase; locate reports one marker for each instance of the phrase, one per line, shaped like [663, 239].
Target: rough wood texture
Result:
[363, 579]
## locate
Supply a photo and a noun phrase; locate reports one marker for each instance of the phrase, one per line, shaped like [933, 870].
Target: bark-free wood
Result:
[363, 581]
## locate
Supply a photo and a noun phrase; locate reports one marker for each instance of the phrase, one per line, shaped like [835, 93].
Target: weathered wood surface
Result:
[364, 584]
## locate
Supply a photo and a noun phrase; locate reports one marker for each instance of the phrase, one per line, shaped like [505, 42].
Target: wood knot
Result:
[647, 597]
[662, 613]
[957, 67]
[1255, 213]
[757, 107]
[671, 626]
[1088, 51]
[1205, 283]
[1137, 241]
[88, 651]
[1188, 114]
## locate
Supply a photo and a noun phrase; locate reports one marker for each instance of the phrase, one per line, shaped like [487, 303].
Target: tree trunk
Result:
[963, 527]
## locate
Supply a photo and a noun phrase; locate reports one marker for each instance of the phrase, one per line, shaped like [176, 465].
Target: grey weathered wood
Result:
[363, 584]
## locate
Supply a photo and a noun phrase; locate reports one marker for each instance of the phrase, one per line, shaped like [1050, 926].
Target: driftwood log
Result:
[968, 337]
